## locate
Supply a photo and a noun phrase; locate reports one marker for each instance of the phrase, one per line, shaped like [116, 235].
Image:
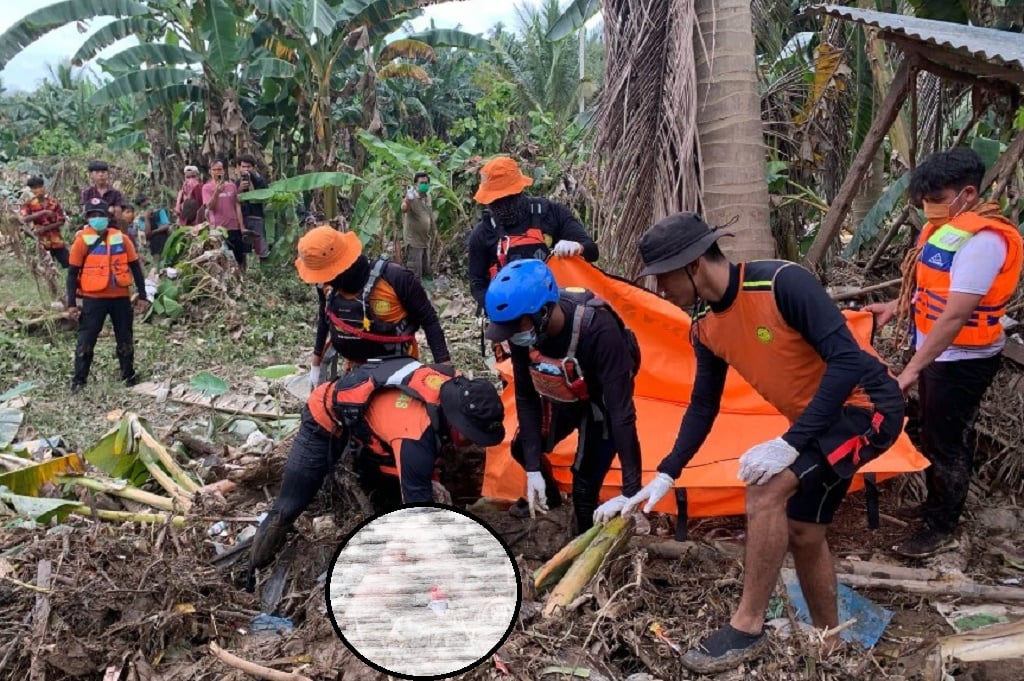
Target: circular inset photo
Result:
[423, 592]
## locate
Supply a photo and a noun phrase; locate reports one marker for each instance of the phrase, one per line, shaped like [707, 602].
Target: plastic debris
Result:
[265, 622]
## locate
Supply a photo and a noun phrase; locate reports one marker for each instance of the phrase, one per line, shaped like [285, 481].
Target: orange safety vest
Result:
[773, 357]
[940, 243]
[562, 380]
[364, 326]
[106, 264]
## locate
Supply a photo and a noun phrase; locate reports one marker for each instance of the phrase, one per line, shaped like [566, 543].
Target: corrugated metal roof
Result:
[985, 44]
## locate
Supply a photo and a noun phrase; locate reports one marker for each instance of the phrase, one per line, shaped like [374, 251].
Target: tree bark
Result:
[729, 129]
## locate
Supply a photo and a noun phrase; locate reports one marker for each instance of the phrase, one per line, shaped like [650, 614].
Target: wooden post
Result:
[851, 185]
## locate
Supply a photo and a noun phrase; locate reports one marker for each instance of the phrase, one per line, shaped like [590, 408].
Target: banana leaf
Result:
[39, 509]
[28, 481]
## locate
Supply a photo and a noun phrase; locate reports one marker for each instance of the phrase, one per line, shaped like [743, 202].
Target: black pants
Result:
[594, 455]
[60, 255]
[950, 394]
[94, 313]
[315, 451]
[236, 244]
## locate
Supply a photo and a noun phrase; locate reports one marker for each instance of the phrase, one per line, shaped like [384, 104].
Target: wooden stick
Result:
[252, 668]
[199, 445]
[40, 619]
[867, 289]
[887, 239]
[958, 588]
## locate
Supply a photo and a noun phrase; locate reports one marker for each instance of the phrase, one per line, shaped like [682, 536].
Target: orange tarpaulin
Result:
[662, 391]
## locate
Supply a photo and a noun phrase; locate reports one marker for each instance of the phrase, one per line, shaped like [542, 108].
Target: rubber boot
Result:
[269, 539]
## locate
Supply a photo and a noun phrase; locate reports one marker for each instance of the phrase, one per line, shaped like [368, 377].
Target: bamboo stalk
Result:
[612, 539]
[123, 491]
[551, 571]
[122, 516]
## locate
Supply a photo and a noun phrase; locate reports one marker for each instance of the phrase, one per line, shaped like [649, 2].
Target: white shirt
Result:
[975, 267]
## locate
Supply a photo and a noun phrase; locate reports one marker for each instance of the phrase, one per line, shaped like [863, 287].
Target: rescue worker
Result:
[366, 309]
[958, 280]
[573, 363]
[403, 411]
[102, 265]
[773, 322]
[518, 226]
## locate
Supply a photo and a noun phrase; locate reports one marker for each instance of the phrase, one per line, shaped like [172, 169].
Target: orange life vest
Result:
[561, 379]
[106, 263]
[372, 323]
[351, 393]
[773, 357]
[940, 243]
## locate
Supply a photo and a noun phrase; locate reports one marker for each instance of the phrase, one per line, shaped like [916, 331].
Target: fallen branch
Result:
[40, 621]
[959, 588]
[1003, 641]
[252, 668]
[612, 539]
[198, 445]
[849, 295]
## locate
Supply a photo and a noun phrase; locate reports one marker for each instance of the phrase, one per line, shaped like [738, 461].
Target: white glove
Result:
[564, 249]
[314, 377]
[651, 493]
[609, 509]
[764, 461]
[536, 492]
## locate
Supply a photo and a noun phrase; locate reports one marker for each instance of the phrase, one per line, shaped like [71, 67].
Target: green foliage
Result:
[208, 384]
[41, 510]
[573, 17]
[868, 229]
[277, 371]
[1018, 119]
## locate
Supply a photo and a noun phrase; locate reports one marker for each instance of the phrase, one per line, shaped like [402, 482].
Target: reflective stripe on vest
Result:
[106, 264]
[939, 245]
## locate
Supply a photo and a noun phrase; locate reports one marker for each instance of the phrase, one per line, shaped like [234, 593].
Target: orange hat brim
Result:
[487, 194]
[352, 248]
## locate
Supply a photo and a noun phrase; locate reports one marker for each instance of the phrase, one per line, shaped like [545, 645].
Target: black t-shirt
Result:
[607, 364]
[554, 219]
[253, 209]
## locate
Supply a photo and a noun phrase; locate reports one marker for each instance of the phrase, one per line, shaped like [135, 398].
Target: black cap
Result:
[474, 408]
[501, 331]
[676, 241]
[97, 205]
[98, 165]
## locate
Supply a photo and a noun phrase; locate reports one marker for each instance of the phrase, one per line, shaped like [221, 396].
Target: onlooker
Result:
[191, 189]
[418, 225]
[127, 224]
[46, 217]
[156, 226]
[252, 211]
[961, 275]
[99, 173]
[102, 266]
[220, 198]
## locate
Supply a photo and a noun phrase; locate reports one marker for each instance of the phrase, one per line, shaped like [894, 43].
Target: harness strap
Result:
[375, 273]
[366, 335]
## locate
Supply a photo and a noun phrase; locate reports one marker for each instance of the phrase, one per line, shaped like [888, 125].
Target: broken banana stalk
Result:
[125, 516]
[611, 539]
[119, 489]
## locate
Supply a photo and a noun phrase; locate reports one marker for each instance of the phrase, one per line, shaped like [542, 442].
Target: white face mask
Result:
[524, 339]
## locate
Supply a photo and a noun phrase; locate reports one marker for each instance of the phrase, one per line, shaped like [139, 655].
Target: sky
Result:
[27, 69]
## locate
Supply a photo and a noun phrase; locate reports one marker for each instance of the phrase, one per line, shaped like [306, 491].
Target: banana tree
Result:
[322, 39]
[196, 51]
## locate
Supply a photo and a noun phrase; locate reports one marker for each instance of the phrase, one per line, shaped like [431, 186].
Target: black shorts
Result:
[237, 245]
[826, 466]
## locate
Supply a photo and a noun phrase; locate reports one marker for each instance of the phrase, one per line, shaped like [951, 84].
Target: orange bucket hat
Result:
[324, 253]
[500, 177]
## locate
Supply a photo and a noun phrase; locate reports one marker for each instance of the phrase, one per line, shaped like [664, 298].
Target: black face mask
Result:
[509, 211]
[354, 278]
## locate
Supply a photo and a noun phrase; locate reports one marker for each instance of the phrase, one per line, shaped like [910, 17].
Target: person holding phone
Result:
[419, 224]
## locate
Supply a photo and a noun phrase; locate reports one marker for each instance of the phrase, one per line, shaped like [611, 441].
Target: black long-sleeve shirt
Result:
[606, 363]
[554, 219]
[807, 308]
[413, 298]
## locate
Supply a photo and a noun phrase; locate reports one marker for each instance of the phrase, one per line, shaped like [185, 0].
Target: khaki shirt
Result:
[418, 223]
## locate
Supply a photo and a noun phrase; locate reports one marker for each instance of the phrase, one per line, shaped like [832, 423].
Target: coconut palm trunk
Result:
[729, 130]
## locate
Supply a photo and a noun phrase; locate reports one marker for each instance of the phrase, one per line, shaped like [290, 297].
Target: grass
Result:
[272, 324]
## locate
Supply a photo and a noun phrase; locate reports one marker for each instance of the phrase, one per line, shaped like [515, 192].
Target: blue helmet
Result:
[522, 287]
